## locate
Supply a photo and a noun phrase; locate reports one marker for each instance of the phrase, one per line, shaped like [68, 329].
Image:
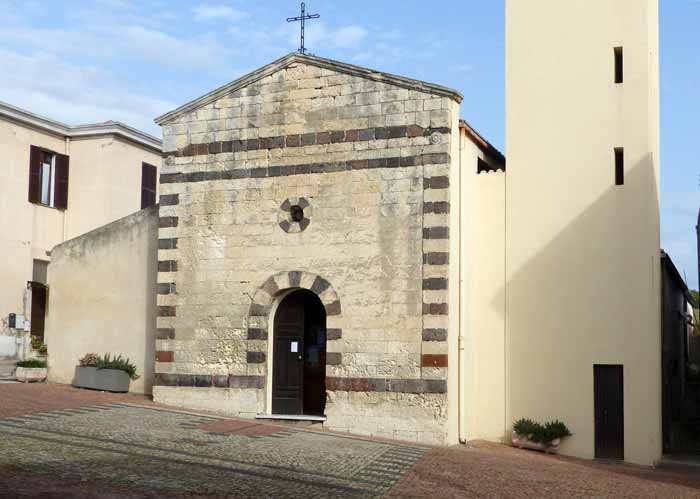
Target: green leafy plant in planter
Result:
[31, 364]
[119, 363]
[541, 433]
[36, 343]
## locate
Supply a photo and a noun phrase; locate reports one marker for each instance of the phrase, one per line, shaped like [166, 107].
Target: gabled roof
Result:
[79, 131]
[482, 143]
[312, 60]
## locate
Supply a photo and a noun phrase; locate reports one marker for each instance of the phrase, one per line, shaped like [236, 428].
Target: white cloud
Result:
[46, 85]
[217, 13]
[130, 41]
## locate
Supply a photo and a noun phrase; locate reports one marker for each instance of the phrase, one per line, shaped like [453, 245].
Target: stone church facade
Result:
[314, 175]
[336, 245]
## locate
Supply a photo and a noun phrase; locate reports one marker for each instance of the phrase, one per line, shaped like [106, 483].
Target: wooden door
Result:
[38, 316]
[609, 412]
[288, 357]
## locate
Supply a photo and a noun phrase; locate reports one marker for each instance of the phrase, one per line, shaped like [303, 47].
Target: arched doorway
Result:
[299, 355]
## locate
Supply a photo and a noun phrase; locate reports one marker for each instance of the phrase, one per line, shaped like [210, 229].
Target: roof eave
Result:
[481, 142]
[287, 60]
[80, 131]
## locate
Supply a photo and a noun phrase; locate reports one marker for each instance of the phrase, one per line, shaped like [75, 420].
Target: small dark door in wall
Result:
[38, 310]
[299, 356]
[609, 412]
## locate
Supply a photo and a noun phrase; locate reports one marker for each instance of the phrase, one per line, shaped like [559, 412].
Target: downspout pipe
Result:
[461, 361]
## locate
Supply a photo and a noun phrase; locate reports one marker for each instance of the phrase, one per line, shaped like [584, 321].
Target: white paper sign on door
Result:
[295, 346]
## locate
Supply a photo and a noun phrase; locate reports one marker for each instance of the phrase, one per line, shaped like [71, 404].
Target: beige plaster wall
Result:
[102, 297]
[104, 185]
[483, 306]
[582, 261]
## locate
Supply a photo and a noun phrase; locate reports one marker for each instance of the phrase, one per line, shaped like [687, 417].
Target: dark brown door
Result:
[38, 311]
[288, 356]
[609, 412]
[299, 356]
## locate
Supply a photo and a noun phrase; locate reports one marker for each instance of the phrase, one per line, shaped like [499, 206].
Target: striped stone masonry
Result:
[301, 169]
[371, 162]
[210, 381]
[307, 139]
[417, 386]
[436, 209]
[259, 311]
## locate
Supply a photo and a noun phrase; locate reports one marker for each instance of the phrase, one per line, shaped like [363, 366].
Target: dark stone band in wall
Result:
[308, 139]
[166, 311]
[334, 334]
[165, 356]
[334, 359]
[333, 308]
[436, 258]
[433, 360]
[305, 169]
[436, 334]
[435, 309]
[165, 333]
[435, 283]
[166, 288]
[436, 182]
[436, 233]
[258, 310]
[437, 207]
[207, 381]
[255, 357]
[386, 385]
[169, 199]
[320, 285]
[166, 244]
[167, 266]
[164, 222]
[257, 334]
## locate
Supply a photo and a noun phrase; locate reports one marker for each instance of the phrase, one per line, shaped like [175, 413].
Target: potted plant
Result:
[31, 370]
[528, 434]
[104, 373]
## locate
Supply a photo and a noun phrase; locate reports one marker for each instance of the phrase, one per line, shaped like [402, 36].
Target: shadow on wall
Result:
[587, 294]
[103, 297]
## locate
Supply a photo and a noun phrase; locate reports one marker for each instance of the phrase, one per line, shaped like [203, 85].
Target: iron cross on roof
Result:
[303, 17]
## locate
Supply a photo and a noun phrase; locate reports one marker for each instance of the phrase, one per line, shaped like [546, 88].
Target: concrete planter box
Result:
[522, 442]
[30, 374]
[106, 380]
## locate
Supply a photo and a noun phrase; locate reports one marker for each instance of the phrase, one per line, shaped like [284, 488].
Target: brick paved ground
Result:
[56, 441]
[490, 471]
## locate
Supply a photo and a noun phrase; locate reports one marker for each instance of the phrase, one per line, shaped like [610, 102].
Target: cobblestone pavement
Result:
[151, 448]
[56, 442]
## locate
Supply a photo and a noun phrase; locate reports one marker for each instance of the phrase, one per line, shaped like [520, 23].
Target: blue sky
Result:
[132, 60]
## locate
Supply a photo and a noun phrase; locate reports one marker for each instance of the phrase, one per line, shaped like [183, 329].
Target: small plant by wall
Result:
[31, 364]
[106, 361]
[533, 435]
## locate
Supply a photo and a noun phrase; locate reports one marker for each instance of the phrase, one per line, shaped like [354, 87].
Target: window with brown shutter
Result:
[149, 178]
[61, 182]
[34, 174]
[48, 178]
